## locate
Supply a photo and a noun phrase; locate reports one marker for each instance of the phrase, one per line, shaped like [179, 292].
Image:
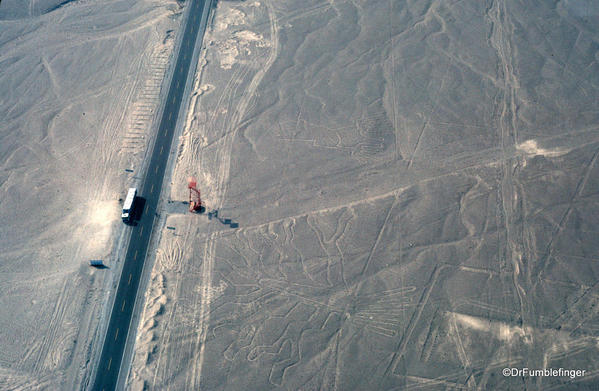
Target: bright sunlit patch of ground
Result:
[498, 329]
[102, 213]
[99, 218]
[530, 147]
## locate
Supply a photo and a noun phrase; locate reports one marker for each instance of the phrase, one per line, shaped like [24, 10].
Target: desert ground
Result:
[399, 195]
[80, 84]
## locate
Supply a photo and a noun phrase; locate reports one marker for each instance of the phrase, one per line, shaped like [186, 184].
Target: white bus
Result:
[128, 205]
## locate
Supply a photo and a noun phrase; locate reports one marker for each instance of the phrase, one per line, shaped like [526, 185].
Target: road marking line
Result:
[170, 115]
[152, 188]
[109, 362]
[141, 231]
[116, 334]
[161, 148]
[156, 169]
[129, 282]
[123, 306]
[135, 255]
[185, 56]
[173, 101]
[177, 84]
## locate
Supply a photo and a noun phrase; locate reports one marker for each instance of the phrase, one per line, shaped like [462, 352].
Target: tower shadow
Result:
[213, 214]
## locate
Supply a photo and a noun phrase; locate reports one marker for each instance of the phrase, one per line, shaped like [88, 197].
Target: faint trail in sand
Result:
[394, 102]
[171, 262]
[52, 76]
[204, 315]
[227, 137]
[562, 223]
[224, 167]
[378, 236]
[56, 321]
[403, 343]
[501, 31]
[32, 7]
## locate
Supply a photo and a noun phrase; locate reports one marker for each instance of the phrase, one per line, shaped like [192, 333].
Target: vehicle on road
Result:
[129, 205]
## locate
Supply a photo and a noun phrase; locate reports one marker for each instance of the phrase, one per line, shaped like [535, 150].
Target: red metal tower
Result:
[195, 203]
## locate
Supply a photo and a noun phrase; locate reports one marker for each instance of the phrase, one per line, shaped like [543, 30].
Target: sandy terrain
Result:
[79, 86]
[400, 195]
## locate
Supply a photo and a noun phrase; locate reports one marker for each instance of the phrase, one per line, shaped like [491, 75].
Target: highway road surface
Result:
[107, 373]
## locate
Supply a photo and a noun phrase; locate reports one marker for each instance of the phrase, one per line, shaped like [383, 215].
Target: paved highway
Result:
[120, 319]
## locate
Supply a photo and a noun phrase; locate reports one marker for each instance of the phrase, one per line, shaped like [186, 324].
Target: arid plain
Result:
[399, 195]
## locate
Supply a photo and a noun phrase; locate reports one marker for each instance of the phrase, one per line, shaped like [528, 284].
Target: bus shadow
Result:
[136, 213]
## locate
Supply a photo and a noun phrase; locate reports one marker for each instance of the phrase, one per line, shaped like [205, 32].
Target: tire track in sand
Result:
[224, 166]
[45, 346]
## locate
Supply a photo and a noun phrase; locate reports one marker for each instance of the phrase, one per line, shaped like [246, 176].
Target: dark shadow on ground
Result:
[102, 266]
[213, 214]
[138, 208]
[183, 208]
